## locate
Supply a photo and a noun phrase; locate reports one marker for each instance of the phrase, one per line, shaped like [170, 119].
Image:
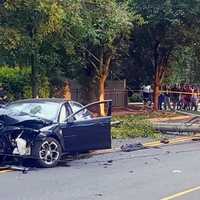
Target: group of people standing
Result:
[174, 97]
[179, 97]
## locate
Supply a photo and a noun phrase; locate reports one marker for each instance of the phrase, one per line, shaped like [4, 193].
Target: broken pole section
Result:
[177, 127]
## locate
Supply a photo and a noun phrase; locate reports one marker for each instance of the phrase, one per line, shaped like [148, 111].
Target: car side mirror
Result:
[70, 120]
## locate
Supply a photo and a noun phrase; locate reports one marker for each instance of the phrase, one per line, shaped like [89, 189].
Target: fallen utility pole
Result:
[190, 126]
[177, 127]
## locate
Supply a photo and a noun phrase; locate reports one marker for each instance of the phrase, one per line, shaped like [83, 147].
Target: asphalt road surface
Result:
[170, 172]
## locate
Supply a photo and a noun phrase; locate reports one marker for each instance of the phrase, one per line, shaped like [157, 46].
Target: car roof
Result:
[38, 100]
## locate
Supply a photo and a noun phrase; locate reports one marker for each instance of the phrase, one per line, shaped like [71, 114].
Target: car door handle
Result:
[87, 124]
[102, 124]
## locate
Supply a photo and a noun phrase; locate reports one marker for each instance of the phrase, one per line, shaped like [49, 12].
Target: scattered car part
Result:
[132, 147]
[164, 140]
[24, 170]
[115, 123]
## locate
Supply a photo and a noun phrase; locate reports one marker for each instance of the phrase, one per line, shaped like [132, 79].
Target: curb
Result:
[178, 140]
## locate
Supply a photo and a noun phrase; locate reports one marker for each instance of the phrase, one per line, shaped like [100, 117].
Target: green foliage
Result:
[34, 33]
[167, 28]
[82, 39]
[136, 97]
[105, 21]
[107, 25]
[184, 66]
[15, 81]
[44, 85]
[133, 126]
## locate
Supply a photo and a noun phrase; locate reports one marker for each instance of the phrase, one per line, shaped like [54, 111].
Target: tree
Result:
[184, 66]
[166, 28]
[24, 26]
[107, 24]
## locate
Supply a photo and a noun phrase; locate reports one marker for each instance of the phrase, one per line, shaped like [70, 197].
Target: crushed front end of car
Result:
[18, 134]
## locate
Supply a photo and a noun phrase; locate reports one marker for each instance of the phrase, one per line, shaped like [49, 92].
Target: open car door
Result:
[88, 133]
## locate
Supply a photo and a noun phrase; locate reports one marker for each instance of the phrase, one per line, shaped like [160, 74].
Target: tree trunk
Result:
[103, 74]
[67, 91]
[102, 81]
[156, 92]
[160, 65]
[34, 78]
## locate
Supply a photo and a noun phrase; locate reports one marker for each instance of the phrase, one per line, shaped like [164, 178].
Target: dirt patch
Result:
[138, 109]
[171, 119]
[129, 110]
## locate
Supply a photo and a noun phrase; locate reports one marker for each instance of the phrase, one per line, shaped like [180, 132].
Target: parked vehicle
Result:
[45, 129]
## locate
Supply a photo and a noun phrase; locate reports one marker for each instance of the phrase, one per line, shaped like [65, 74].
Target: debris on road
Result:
[24, 170]
[196, 139]
[99, 195]
[108, 163]
[164, 140]
[132, 147]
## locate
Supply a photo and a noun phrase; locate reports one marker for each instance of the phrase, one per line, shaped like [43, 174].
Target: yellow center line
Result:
[178, 138]
[151, 144]
[172, 141]
[181, 193]
[183, 140]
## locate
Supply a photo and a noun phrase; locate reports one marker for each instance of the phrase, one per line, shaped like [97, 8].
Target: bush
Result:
[133, 126]
[136, 98]
[15, 81]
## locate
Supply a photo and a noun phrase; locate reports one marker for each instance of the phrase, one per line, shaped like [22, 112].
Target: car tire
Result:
[47, 152]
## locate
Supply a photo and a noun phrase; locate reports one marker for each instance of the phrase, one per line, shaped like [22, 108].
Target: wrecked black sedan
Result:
[46, 129]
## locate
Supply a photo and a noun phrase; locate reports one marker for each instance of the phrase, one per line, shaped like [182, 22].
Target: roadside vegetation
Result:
[17, 83]
[132, 127]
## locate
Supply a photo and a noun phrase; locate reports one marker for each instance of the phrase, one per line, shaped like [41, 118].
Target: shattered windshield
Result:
[44, 110]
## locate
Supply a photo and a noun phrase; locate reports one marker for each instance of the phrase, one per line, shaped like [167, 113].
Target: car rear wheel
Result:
[47, 152]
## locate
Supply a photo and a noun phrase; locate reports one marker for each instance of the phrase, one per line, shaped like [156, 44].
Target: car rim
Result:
[49, 152]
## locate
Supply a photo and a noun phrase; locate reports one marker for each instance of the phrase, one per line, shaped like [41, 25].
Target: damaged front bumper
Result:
[17, 141]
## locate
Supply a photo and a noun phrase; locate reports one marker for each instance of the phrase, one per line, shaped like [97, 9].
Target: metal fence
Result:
[119, 97]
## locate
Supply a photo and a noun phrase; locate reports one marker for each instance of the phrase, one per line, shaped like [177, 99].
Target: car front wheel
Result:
[47, 152]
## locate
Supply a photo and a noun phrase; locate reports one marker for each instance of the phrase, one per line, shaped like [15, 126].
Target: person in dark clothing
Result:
[194, 100]
[161, 100]
[187, 97]
[147, 95]
[174, 97]
[167, 105]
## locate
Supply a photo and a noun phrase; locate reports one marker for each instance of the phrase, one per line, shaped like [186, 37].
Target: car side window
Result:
[63, 114]
[85, 114]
